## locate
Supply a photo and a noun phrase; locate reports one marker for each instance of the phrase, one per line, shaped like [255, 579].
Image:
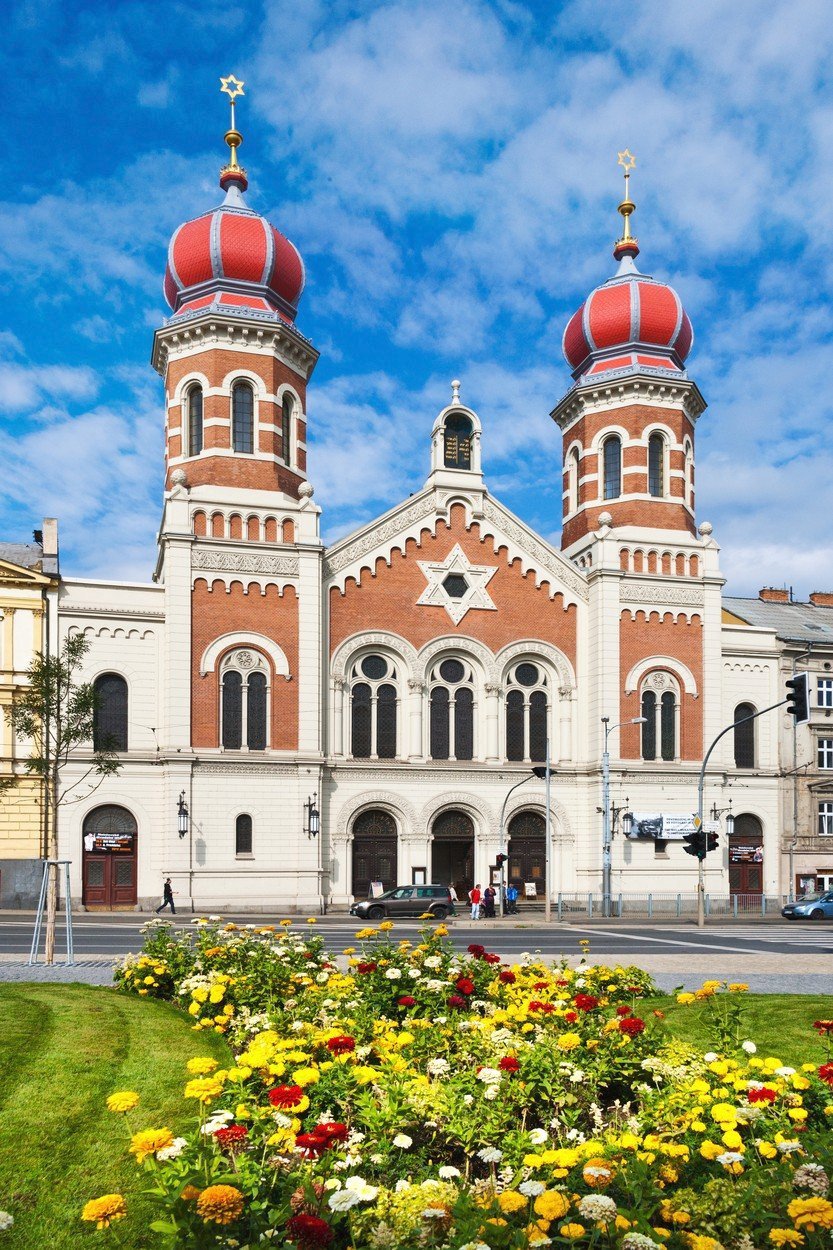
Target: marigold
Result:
[220, 1204]
[568, 1041]
[551, 1204]
[205, 1088]
[510, 1200]
[202, 1066]
[125, 1100]
[810, 1213]
[572, 1231]
[102, 1211]
[149, 1141]
[785, 1237]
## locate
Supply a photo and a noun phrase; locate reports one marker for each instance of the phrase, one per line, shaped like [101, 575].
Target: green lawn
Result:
[780, 1025]
[63, 1049]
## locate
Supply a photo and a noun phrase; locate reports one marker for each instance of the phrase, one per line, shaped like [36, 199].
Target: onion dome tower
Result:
[234, 363]
[628, 420]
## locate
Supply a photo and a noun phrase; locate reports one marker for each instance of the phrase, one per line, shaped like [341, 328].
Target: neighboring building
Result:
[408, 676]
[803, 635]
[28, 625]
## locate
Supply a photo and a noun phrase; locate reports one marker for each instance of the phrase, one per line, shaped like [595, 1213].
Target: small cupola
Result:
[455, 445]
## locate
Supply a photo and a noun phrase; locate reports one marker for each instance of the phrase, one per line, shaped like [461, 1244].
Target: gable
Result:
[19, 575]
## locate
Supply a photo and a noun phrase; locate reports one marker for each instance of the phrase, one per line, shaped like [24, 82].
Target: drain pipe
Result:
[791, 891]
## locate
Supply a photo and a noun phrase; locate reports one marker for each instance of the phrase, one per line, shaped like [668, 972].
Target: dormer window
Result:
[457, 442]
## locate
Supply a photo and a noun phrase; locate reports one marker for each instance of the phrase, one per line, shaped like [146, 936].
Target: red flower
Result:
[363, 969]
[632, 1026]
[546, 1008]
[476, 949]
[823, 1026]
[561, 984]
[456, 1000]
[623, 1010]
[464, 985]
[341, 1045]
[406, 1001]
[826, 1073]
[509, 1064]
[764, 1094]
[507, 977]
[492, 959]
[232, 1138]
[286, 1096]
[586, 1002]
[309, 1232]
[540, 985]
[321, 1138]
[332, 1132]
[571, 1016]
[311, 1144]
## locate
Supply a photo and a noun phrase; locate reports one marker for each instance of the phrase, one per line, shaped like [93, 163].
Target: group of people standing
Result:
[483, 901]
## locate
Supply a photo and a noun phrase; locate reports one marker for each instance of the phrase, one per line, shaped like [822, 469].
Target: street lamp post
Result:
[606, 823]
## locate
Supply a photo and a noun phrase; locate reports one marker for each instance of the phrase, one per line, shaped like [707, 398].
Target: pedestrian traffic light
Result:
[501, 860]
[712, 842]
[695, 843]
[798, 697]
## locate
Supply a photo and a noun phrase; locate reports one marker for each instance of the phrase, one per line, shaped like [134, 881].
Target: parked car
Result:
[407, 900]
[810, 907]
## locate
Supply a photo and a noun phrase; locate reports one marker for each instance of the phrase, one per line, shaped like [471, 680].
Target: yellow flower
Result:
[285, 924]
[205, 1088]
[102, 1211]
[567, 1041]
[149, 1141]
[811, 1212]
[510, 1200]
[220, 1204]
[551, 1204]
[202, 1066]
[572, 1231]
[785, 1237]
[710, 1150]
[189, 1193]
[123, 1101]
[386, 926]
[685, 998]
[724, 1113]
[441, 931]
[304, 1076]
[738, 987]
[311, 920]
[732, 1139]
[766, 1149]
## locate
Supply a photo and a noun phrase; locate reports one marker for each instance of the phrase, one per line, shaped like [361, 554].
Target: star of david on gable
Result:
[457, 585]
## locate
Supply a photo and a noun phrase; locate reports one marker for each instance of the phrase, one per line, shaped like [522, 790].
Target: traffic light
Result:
[798, 698]
[695, 843]
[500, 860]
[712, 842]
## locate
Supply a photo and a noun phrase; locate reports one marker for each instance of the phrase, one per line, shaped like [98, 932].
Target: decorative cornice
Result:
[185, 334]
[661, 593]
[374, 537]
[548, 560]
[599, 395]
[244, 562]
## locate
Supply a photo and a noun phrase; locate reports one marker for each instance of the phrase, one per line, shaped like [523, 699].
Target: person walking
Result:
[489, 902]
[167, 898]
[474, 898]
[512, 899]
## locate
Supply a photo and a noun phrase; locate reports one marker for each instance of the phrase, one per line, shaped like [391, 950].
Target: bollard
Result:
[589, 906]
[650, 906]
[679, 905]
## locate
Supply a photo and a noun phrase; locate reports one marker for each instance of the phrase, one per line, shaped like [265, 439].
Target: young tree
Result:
[56, 713]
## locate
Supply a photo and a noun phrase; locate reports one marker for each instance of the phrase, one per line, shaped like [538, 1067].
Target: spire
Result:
[627, 246]
[233, 174]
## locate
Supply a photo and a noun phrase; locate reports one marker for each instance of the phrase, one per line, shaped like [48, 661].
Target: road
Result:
[772, 957]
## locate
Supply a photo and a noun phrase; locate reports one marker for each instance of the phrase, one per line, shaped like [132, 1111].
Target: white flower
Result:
[468, 1099]
[393, 974]
[531, 1189]
[597, 1207]
[491, 1092]
[434, 1213]
[490, 1076]
[343, 1200]
[377, 1158]
[402, 1185]
[576, 1076]
[729, 1157]
[749, 1047]
[474, 1245]
[448, 1173]
[332, 1183]
[414, 974]
[788, 1147]
[434, 985]
[637, 1241]
[323, 978]
[437, 1067]
[6, 1220]
[358, 1185]
[538, 1136]
[219, 1119]
[173, 1151]
[433, 961]
[710, 1056]
[403, 1141]
[785, 1071]
[490, 1154]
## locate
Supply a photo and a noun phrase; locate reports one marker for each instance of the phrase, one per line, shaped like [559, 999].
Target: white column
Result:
[564, 730]
[338, 716]
[416, 695]
[492, 723]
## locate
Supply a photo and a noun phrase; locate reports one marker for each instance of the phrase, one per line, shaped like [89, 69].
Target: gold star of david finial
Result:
[627, 243]
[627, 160]
[233, 87]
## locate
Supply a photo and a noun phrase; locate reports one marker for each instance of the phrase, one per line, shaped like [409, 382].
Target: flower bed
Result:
[417, 1097]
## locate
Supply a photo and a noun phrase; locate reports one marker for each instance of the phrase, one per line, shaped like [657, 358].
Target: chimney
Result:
[770, 595]
[50, 545]
[822, 598]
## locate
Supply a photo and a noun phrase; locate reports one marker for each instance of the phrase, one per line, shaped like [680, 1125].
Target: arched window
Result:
[612, 454]
[744, 736]
[243, 835]
[656, 466]
[244, 698]
[659, 704]
[287, 409]
[110, 714]
[526, 713]
[452, 710]
[373, 708]
[572, 481]
[457, 442]
[195, 421]
[242, 417]
[689, 474]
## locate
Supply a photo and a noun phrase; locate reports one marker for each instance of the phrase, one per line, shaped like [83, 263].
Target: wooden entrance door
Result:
[374, 852]
[527, 852]
[109, 859]
[746, 856]
[452, 853]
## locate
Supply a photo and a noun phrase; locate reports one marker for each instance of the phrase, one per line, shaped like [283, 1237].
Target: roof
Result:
[27, 555]
[799, 622]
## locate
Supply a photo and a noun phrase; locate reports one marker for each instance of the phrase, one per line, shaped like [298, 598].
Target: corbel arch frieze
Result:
[403, 812]
[344, 652]
[680, 670]
[461, 643]
[486, 821]
[546, 651]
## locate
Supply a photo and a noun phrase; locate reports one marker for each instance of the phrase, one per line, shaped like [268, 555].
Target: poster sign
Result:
[530, 890]
[666, 827]
[746, 854]
[377, 889]
[119, 842]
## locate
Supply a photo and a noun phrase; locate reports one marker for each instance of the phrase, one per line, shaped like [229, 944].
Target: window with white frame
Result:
[826, 818]
[689, 473]
[287, 413]
[243, 417]
[572, 481]
[373, 707]
[656, 466]
[527, 706]
[825, 752]
[451, 710]
[824, 692]
[243, 835]
[659, 705]
[244, 701]
[194, 409]
[612, 467]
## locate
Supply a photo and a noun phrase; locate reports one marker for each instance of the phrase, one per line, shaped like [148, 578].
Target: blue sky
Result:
[448, 173]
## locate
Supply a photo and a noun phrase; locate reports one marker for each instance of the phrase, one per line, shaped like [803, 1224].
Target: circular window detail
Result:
[455, 585]
[526, 675]
[374, 667]
[452, 671]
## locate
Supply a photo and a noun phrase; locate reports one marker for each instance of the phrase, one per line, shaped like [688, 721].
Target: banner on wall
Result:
[665, 827]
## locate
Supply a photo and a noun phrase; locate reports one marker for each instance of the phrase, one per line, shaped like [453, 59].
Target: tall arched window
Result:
[287, 409]
[689, 474]
[649, 728]
[243, 417]
[195, 421]
[572, 481]
[659, 705]
[373, 707]
[612, 454]
[457, 437]
[526, 713]
[110, 714]
[243, 835]
[744, 736]
[452, 710]
[245, 701]
[656, 466]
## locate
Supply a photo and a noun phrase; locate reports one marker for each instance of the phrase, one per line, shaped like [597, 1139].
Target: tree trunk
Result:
[52, 870]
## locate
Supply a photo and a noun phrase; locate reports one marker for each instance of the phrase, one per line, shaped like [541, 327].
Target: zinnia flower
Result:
[123, 1101]
[586, 1002]
[149, 1141]
[632, 1026]
[233, 1138]
[309, 1232]
[785, 1237]
[761, 1094]
[220, 1204]
[552, 1204]
[202, 1066]
[286, 1096]
[509, 1064]
[826, 1073]
[102, 1211]
[465, 985]
[341, 1045]
[204, 1088]
[810, 1213]
[456, 1000]
[406, 1001]
[507, 977]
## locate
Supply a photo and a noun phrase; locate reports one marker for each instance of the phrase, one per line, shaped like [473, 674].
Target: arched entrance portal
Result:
[527, 852]
[452, 852]
[109, 859]
[374, 851]
[746, 856]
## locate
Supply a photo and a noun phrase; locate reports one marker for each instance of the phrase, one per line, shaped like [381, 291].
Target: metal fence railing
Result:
[659, 905]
